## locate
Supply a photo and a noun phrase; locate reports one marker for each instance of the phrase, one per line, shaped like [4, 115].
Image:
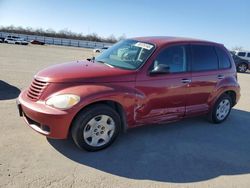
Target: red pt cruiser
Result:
[138, 81]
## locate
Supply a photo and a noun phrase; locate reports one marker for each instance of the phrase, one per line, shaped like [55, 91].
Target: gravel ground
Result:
[189, 153]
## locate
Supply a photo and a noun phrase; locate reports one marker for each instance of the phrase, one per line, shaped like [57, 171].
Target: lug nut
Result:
[102, 132]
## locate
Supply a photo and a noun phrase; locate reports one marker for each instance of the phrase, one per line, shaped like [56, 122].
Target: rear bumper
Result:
[43, 119]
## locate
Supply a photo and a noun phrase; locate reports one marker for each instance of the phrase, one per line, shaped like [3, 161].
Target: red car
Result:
[37, 42]
[148, 80]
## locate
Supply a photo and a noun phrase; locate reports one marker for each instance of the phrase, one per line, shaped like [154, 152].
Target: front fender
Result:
[121, 93]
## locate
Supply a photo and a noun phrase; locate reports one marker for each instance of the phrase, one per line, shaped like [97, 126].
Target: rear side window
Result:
[204, 58]
[242, 54]
[248, 55]
[224, 61]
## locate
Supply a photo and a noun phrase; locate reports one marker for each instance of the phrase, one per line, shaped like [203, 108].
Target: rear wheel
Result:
[96, 127]
[242, 67]
[221, 109]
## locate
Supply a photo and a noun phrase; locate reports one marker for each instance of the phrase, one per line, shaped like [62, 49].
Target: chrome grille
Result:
[36, 88]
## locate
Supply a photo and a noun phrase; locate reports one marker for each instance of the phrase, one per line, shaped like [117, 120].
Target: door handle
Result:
[185, 80]
[220, 76]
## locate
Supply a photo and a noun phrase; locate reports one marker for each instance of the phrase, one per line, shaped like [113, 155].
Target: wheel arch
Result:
[232, 93]
[111, 103]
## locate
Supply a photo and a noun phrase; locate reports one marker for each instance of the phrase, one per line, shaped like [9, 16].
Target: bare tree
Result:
[122, 37]
[237, 48]
[64, 33]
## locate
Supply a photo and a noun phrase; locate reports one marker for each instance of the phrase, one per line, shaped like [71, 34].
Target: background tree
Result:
[237, 48]
[64, 33]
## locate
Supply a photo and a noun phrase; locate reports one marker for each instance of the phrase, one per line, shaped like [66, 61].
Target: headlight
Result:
[64, 101]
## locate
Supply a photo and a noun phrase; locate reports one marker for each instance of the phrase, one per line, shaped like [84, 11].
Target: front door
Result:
[162, 97]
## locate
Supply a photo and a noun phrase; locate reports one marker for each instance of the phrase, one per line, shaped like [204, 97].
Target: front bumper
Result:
[48, 121]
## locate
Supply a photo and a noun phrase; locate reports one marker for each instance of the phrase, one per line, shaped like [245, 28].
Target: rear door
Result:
[205, 75]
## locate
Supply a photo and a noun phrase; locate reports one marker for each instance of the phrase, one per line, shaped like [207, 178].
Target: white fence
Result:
[59, 41]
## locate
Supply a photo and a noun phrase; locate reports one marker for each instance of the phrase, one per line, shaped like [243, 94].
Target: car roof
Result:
[162, 40]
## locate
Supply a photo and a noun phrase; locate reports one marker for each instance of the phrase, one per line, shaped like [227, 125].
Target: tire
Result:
[242, 67]
[96, 127]
[221, 109]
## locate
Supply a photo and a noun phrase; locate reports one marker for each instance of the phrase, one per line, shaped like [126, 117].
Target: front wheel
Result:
[242, 67]
[221, 109]
[96, 127]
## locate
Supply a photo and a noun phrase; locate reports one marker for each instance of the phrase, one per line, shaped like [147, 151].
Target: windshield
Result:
[126, 54]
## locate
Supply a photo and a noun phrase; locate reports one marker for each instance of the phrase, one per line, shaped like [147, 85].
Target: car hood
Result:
[84, 71]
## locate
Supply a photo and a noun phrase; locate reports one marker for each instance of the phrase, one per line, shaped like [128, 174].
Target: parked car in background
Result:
[10, 40]
[37, 42]
[243, 54]
[21, 41]
[168, 79]
[2, 39]
[99, 50]
[15, 40]
[242, 65]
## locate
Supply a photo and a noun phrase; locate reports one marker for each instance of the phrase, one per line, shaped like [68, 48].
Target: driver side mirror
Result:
[160, 69]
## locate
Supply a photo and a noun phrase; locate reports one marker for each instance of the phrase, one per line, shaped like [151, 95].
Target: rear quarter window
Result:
[248, 55]
[204, 58]
[224, 61]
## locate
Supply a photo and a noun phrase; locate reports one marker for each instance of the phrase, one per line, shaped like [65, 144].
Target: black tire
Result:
[82, 120]
[242, 67]
[213, 115]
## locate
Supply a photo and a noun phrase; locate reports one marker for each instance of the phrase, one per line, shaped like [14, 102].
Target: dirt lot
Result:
[190, 153]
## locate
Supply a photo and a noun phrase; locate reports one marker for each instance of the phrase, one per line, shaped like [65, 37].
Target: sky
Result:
[223, 21]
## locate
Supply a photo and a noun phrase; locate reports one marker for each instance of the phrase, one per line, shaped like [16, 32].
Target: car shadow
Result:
[187, 151]
[8, 91]
[247, 72]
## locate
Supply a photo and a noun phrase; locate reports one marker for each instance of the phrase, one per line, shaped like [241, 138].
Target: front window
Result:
[175, 58]
[127, 54]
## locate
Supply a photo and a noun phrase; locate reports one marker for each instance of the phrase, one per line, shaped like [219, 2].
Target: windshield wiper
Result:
[100, 61]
